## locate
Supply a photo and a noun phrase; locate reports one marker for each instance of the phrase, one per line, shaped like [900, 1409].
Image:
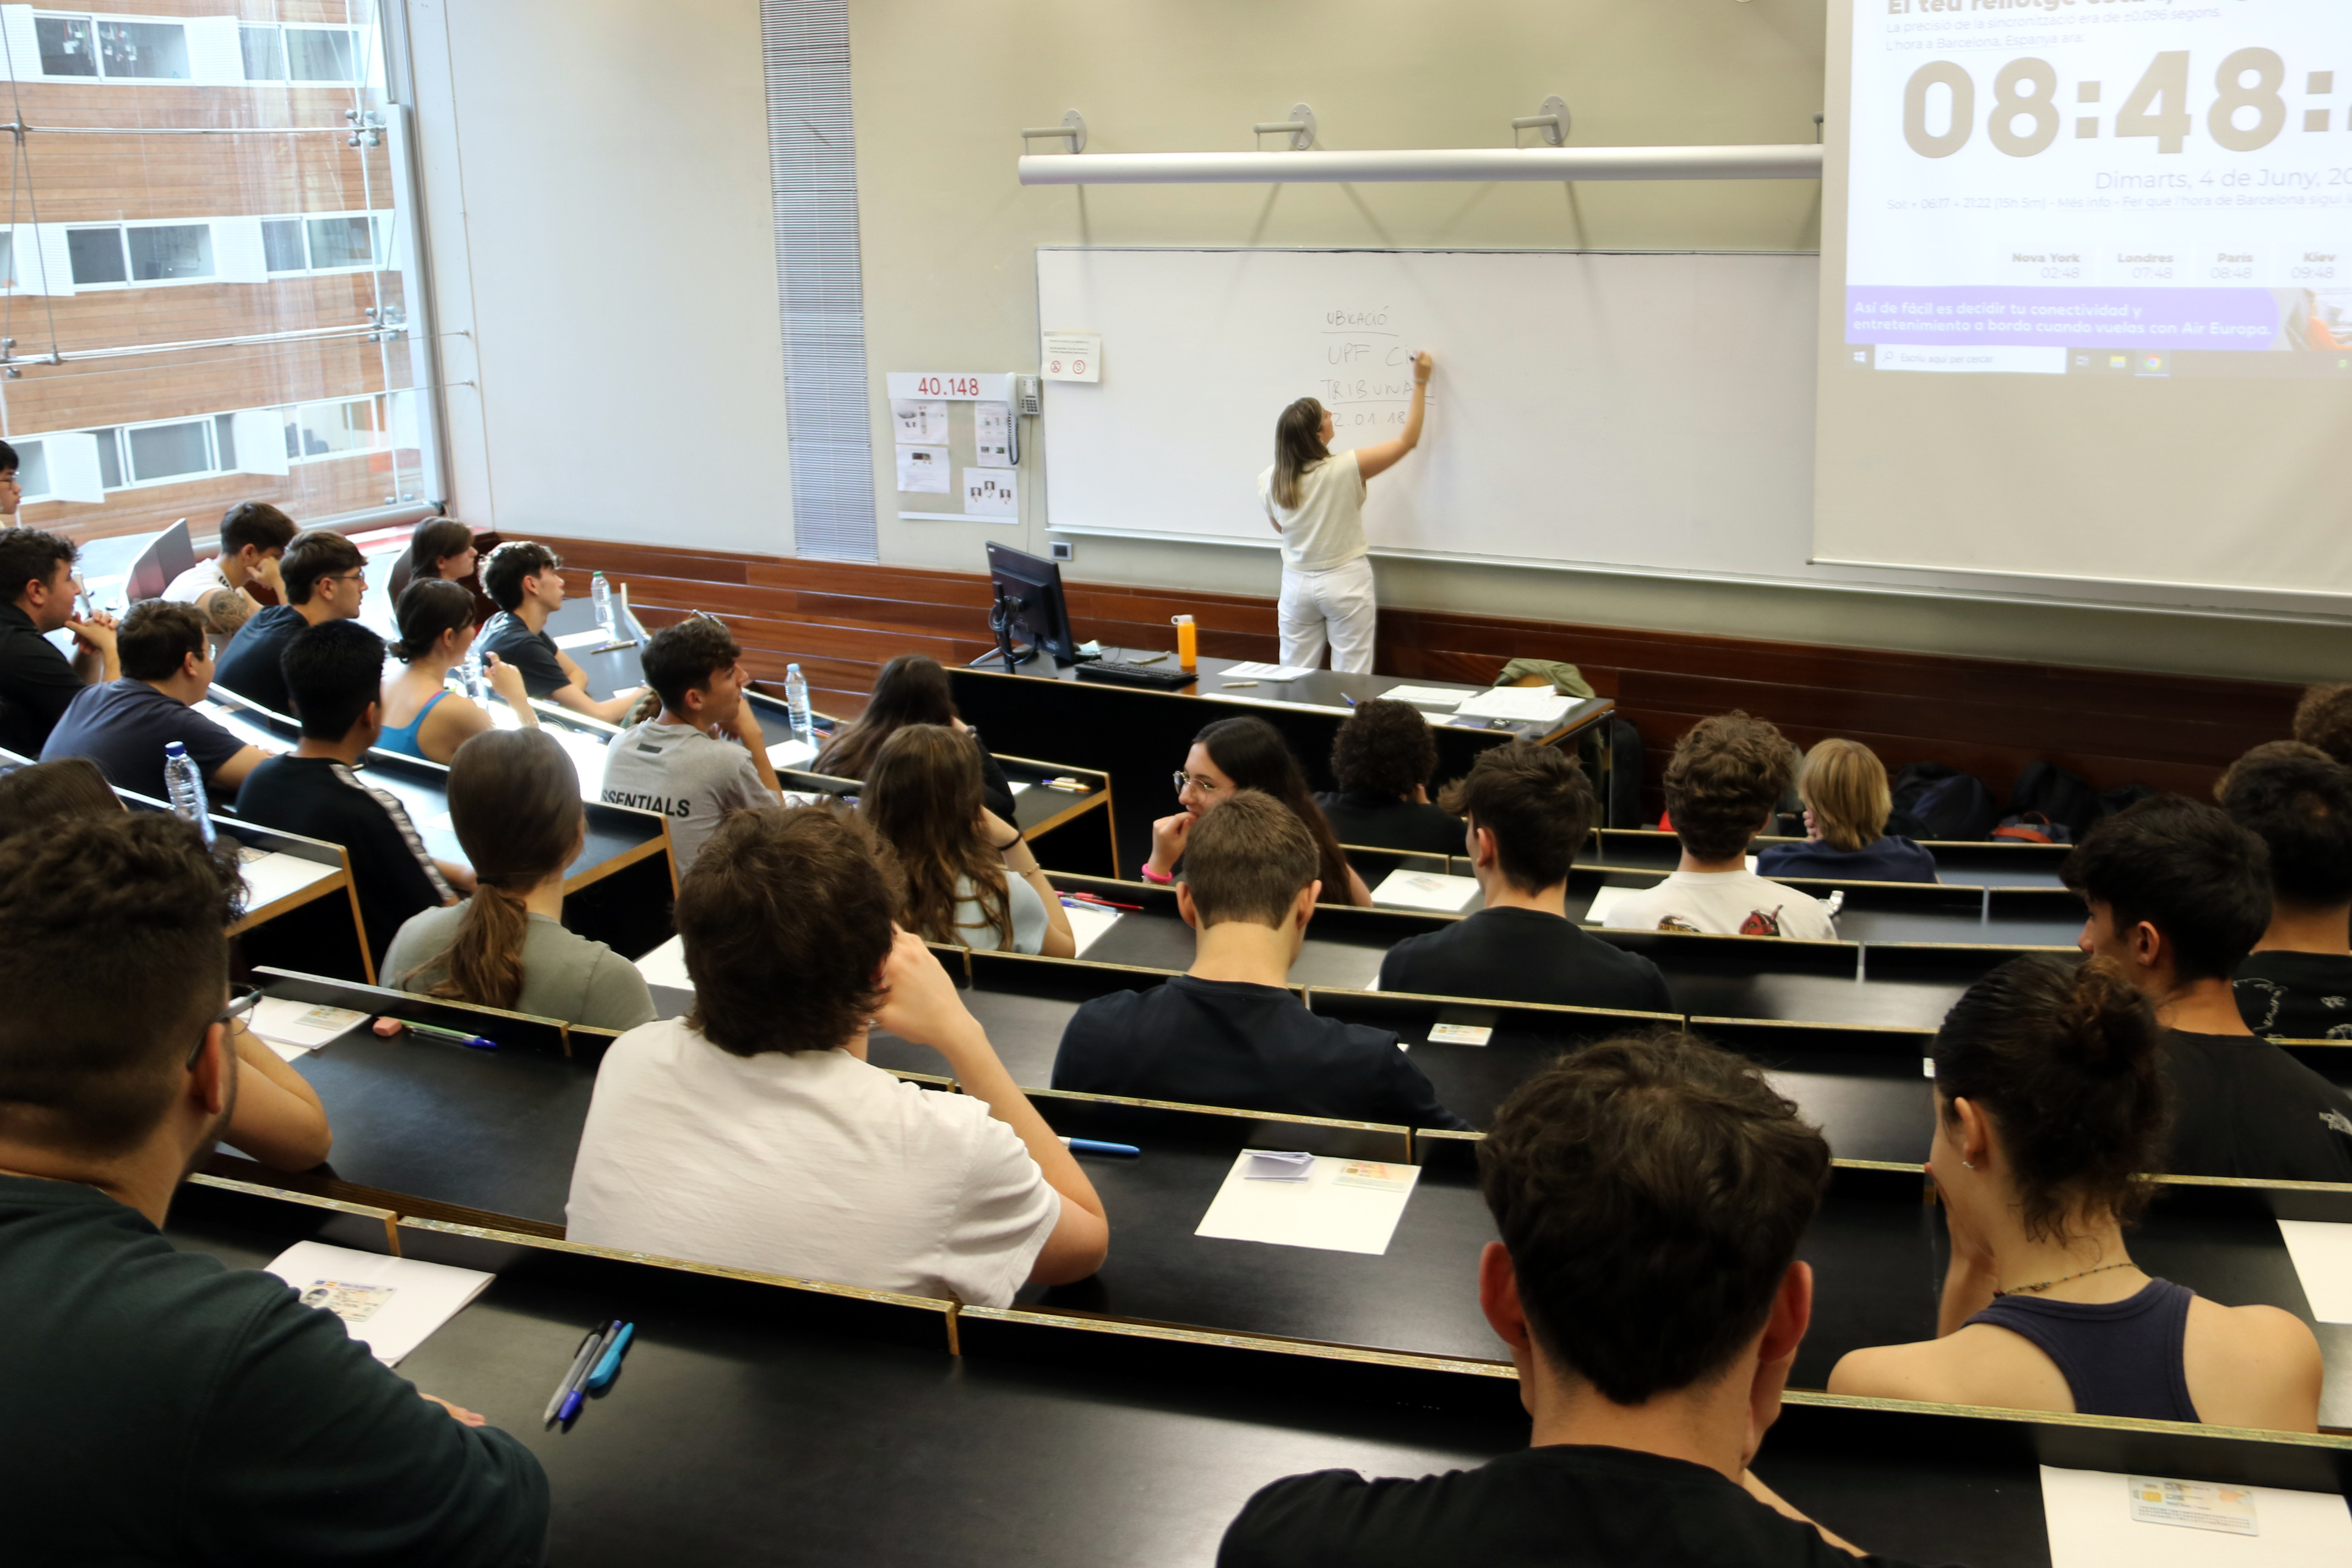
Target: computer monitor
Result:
[1029, 604]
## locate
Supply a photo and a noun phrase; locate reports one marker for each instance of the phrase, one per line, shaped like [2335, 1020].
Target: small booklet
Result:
[294, 1028]
[1523, 704]
[1409, 890]
[392, 1305]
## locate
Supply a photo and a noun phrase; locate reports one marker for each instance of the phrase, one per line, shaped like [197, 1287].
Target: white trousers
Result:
[1336, 606]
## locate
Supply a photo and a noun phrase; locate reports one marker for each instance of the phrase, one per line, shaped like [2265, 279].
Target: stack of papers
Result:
[1520, 704]
[2097, 1518]
[665, 965]
[392, 1305]
[296, 1028]
[1339, 1205]
[1427, 696]
[1250, 672]
[1406, 889]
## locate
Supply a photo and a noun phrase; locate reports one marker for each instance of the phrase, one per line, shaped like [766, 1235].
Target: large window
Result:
[202, 319]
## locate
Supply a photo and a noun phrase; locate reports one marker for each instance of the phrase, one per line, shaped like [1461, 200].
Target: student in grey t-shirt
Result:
[675, 762]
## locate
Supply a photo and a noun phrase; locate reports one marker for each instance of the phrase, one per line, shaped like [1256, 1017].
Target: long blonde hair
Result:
[1845, 786]
[1297, 447]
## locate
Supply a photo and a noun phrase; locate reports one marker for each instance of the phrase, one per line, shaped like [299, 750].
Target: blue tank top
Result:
[2119, 1358]
[404, 740]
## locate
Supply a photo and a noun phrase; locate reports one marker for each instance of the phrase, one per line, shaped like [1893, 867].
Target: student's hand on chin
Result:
[1169, 836]
[920, 1003]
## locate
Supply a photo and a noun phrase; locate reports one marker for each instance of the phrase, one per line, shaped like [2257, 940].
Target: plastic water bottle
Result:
[602, 592]
[477, 684]
[186, 785]
[796, 699]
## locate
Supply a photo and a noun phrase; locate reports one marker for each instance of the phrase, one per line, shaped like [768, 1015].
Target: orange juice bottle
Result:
[1188, 643]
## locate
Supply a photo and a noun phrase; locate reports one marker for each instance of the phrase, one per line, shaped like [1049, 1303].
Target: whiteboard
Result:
[1636, 411]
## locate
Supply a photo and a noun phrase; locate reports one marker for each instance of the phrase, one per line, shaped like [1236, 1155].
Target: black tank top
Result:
[2119, 1358]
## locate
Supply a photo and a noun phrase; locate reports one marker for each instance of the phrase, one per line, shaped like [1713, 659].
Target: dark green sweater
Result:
[157, 1408]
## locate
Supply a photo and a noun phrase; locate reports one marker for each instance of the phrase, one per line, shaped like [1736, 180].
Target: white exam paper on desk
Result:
[1409, 890]
[392, 1305]
[665, 965]
[595, 637]
[792, 752]
[294, 1028]
[1328, 1211]
[2322, 1254]
[1088, 924]
[2098, 1518]
[1525, 704]
[271, 875]
[1249, 671]
[1430, 696]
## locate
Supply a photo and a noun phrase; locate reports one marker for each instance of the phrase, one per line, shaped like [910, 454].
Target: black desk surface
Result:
[729, 1433]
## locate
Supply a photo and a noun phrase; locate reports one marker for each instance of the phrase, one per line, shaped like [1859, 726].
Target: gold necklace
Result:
[2063, 1278]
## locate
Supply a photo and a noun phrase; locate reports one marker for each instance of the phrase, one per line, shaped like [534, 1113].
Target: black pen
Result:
[581, 1360]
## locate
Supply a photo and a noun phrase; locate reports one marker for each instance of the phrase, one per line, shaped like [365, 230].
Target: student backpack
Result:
[2061, 796]
[1945, 803]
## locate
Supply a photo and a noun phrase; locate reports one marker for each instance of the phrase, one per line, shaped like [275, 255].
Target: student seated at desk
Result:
[2178, 895]
[332, 671]
[1724, 786]
[38, 683]
[2050, 1098]
[441, 550]
[2324, 719]
[2297, 983]
[123, 725]
[1234, 754]
[522, 579]
[253, 540]
[1847, 803]
[1225, 1032]
[910, 689]
[1382, 757]
[277, 1119]
[952, 854]
[422, 717]
[1529, 807]
[1650, 1193]
[701, 754]
[514, 799]
[325, 579]
[163, 1408]
[753, 1132]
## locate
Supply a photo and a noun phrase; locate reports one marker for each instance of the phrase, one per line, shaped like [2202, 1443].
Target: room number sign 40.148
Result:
[2247, 111]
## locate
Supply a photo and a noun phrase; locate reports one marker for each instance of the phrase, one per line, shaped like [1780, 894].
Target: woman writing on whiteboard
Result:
[1316, 501]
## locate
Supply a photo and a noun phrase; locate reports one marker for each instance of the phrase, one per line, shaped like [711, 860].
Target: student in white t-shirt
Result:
[1316, 501]
[253, 540]
[752, 1134]
[1723, 784]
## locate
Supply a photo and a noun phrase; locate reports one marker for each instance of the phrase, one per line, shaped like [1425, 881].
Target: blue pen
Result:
[580, 1385]
[581, 1360]
[455, 1036]
[1096, 1146]
[608, 1365]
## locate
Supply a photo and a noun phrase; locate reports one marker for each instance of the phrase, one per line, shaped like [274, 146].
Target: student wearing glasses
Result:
[1235, 754]
[325, 577]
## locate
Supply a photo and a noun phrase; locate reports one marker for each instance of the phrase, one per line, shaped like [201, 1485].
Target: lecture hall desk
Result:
[753, 1412]
[1980, 863]
[1139, 736]
[432, 1129]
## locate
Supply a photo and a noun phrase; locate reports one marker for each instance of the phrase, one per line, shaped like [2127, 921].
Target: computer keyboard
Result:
[1119, 672]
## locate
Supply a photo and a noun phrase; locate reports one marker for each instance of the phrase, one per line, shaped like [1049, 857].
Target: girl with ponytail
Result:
[2050, 1100]
[422, 716]
[1315, 499]
[514, 799]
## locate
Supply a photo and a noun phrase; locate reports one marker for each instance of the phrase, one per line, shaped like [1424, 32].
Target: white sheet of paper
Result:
[273, 875]
[410, 1299]
[1427, 696]
[2322, 1254]
[1606, 899]
[665, 965]
[923, 470]
[1459, 1034]
[991, 492]
[595, 637]
[1071, 356]
[992, 425]
[300, 1026]
[1254, 671]
[920, 421]
[587, 753]
[794, 752]
[1019, 788]
[2089, 1517]
[1534, 704]
[1409, 890]
[1320, 1212]
[1088, 924]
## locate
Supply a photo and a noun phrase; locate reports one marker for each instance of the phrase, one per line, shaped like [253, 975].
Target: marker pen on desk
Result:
[573, 1400]
[581, 1360]
[455, 1036]
[1096, 1146]
[609, 1364]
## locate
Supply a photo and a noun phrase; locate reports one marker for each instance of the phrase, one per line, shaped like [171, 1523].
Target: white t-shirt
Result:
[1326, 529]
[200, 583]
[812, 1164]
[1724, 902]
